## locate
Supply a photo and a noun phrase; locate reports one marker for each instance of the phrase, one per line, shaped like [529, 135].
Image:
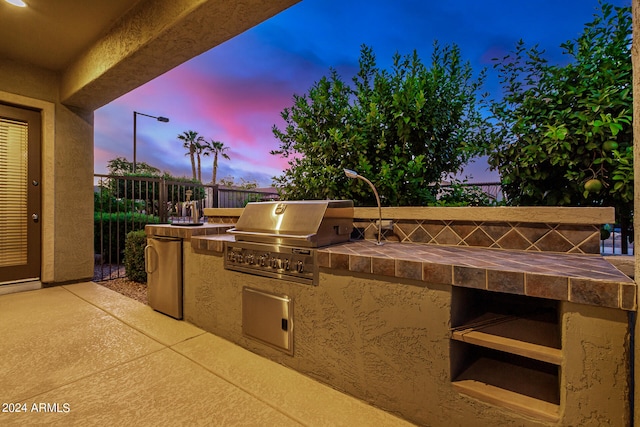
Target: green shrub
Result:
[110, 231]
[134, 256]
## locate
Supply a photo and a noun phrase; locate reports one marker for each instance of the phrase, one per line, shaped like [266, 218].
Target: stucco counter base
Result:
[386, 336]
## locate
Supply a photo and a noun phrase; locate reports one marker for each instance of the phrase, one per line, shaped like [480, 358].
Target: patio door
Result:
[20, 187]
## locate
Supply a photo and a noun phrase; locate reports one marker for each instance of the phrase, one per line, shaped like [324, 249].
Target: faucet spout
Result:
[353, 174]
[195, 217]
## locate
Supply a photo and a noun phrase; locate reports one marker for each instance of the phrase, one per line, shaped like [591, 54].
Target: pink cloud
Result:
[239, 110]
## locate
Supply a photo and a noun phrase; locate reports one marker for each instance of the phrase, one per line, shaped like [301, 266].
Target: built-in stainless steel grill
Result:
[278, 239]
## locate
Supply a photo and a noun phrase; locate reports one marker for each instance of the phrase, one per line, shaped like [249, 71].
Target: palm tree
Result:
[200, 149]
[190, 139]
[216, 148]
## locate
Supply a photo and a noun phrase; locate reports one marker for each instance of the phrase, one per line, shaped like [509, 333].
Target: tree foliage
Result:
[121, 166]
[563, 134]
[403, 128]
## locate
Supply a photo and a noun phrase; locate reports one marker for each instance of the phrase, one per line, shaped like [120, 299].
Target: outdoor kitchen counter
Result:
[186, 232]
[417, 330]
[583, 279]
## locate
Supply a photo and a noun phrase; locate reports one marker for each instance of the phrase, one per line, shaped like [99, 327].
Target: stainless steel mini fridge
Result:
[163, 263]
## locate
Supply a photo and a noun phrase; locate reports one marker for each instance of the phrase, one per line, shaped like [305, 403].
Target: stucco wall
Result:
[29, 81]
[596, 368]
[73, 191]
[67, 172]
[388, 342]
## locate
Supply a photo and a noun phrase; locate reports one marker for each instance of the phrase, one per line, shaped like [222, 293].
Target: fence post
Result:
[162, 202]
[624, 235]
[215, 196]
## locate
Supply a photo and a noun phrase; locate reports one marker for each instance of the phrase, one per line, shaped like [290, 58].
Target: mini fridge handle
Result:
[147, 259]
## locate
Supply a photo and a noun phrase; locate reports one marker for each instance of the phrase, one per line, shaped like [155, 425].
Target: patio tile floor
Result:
[82, 354]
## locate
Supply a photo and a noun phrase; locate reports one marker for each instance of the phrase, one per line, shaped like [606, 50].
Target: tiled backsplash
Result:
[537, 237]
[222, 219]
[534, 229]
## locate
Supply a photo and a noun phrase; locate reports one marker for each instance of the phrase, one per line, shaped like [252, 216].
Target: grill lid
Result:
[309, 223]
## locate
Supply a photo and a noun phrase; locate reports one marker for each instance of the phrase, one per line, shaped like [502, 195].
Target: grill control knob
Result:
[250, 259]
[240, 258]
[285, 264]
[300, 267]
[263, 259]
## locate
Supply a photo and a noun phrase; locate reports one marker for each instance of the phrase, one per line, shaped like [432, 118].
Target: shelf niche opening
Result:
[507, 350]
[468, 304]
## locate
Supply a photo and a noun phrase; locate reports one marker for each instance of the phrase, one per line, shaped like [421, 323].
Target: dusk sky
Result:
[235, 92]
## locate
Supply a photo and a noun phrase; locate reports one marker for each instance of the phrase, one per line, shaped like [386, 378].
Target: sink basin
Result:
[187, 224]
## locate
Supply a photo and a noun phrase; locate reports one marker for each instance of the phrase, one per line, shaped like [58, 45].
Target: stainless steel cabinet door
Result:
[163, 262]
[268, 318]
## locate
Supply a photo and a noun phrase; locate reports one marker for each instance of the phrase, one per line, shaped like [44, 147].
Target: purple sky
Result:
[235, 92]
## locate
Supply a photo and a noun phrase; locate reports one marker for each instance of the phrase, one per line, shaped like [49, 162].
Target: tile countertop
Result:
[583, 279]
[186, 232]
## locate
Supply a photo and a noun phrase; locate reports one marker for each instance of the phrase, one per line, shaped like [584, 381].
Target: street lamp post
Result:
[135, 125]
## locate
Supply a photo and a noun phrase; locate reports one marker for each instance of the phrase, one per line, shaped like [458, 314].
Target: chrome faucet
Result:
[195, 218]
[355, 175]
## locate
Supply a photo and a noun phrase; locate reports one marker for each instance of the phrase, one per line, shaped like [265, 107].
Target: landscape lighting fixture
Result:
[135, 129]
[18, 3]
[355, 175]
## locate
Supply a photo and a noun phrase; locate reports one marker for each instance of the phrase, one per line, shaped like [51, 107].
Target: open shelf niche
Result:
[507, 350]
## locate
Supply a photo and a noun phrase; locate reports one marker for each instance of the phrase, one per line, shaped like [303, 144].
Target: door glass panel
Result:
[13, 192]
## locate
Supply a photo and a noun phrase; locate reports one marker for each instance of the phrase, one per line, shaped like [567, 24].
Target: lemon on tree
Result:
[610, 145]
[593, 185]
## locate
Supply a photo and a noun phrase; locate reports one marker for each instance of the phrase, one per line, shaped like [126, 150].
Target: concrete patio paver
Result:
[50, 338]
[85, 355]
[139, 316]
[300, 397]
[161, 389]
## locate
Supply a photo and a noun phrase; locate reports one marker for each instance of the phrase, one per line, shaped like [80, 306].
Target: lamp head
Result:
[350, 173]
[163, 119]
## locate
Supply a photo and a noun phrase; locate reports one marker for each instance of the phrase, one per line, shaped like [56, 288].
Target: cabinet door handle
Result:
[147, 259]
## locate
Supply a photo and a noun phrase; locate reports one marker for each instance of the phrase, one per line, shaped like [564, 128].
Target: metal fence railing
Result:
[238, 198]
[493, 190]
[615, 245]
[127, 203]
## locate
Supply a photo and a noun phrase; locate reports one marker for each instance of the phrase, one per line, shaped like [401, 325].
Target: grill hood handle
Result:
[307, 237]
